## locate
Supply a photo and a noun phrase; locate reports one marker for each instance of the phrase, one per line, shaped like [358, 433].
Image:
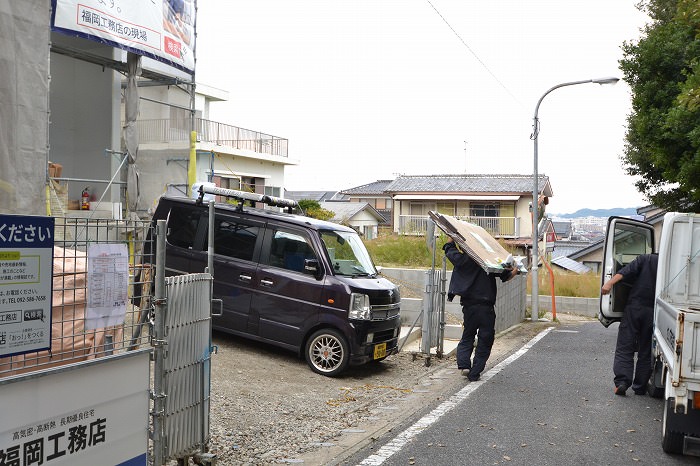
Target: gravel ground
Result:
[268, 407]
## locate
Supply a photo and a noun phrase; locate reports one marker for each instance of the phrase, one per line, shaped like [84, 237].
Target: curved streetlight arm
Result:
[535, 191]
[572, 83]
[601, 81]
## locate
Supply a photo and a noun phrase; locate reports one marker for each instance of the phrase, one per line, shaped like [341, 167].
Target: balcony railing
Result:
[499, 227]
[173, 130]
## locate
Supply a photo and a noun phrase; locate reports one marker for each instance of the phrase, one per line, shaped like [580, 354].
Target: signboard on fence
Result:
[26, 255]
[81, 415]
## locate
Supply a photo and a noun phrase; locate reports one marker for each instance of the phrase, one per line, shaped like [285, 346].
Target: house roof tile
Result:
[376, 187]
[469, 183]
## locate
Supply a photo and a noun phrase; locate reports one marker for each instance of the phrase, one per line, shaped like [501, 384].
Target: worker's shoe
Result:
[473, 377]
[465, 372]
[640, 391]
[621, 389]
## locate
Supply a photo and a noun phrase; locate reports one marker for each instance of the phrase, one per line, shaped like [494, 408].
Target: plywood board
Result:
[477, 242]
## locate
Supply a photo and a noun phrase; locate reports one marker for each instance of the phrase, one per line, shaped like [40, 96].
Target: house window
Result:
[272, 191]
[380, 204]
[447, 208]
[484, 210]
[421, 208]
[462, 209]
[228, 183]
[248, 184]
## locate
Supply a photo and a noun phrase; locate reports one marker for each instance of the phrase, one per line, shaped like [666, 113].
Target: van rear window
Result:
[234, 239]
[182, 226]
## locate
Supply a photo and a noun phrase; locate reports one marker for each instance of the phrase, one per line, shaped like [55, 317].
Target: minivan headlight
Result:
[359, 307]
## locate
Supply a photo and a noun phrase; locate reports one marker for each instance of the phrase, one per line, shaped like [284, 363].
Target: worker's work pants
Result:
[634, 335]
[479, 320]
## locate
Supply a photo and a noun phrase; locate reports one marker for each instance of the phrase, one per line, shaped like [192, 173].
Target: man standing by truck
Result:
[636, 327]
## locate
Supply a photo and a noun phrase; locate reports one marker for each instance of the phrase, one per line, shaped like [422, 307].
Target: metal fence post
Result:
[158, 343]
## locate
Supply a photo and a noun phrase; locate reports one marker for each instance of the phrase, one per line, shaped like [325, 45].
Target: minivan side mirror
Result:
[311, 267]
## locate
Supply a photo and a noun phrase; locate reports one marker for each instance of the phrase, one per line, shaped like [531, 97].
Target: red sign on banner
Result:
[172, 47]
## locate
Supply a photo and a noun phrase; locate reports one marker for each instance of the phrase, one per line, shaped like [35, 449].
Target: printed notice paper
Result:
[108, 281]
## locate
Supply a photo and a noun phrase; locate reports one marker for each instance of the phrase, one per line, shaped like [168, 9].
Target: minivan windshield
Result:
[347, 253]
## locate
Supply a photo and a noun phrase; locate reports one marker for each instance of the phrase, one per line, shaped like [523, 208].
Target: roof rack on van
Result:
[246, 196]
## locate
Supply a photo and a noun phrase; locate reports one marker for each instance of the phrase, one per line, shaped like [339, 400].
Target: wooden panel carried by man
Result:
[477, 243]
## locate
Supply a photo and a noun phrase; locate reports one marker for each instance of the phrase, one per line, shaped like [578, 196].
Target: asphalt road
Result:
[551, 403]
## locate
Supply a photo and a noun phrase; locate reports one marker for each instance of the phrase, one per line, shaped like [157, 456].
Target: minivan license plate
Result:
[380, 351]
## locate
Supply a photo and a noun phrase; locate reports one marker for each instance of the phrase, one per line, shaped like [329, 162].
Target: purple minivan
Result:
[285, 279]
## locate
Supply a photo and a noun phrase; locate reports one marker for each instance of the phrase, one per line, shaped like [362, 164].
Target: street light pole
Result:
[535, 190]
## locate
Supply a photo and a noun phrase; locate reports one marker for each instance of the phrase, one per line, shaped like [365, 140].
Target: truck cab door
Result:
[625, 239]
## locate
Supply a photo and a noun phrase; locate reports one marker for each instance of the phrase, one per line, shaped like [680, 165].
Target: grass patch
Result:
[568, 284]
[400, 251]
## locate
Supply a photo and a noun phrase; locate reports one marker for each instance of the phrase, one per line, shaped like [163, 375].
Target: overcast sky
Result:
[368, 89]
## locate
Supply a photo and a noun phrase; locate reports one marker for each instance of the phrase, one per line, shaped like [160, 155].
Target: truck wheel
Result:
[327, 352]
[672, 441]
[655, 386]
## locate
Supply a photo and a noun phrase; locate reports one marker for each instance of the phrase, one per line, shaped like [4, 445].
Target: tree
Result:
[663, 132]
[314, 210]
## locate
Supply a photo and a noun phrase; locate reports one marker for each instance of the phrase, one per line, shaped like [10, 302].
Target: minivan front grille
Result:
[385, 311]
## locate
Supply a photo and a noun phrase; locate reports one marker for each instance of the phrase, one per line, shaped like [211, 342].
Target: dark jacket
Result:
[469, 280]
[641, 274]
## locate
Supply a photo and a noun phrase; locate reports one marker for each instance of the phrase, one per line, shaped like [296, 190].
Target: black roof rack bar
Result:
[246, 196]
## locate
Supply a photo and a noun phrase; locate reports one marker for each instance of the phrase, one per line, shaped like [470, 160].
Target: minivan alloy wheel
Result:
[327, 352]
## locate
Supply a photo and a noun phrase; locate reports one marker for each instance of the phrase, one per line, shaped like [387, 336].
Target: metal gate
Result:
[182, 368]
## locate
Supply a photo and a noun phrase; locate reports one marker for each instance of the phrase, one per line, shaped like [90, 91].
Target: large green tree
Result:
[663, 132]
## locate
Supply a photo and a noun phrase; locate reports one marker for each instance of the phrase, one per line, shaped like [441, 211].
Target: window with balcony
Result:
[484, 210]
[421, 208]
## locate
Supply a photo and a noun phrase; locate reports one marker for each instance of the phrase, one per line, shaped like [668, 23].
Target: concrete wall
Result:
[581, 306]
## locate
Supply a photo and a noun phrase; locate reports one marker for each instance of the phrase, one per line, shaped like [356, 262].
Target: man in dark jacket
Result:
[637, 323]
[477, 292]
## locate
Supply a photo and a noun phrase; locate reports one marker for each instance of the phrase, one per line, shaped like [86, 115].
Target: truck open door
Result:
[625, 239]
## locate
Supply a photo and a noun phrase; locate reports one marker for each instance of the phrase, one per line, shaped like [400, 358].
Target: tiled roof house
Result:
[375, 195]
[359, 215]
[499, 203]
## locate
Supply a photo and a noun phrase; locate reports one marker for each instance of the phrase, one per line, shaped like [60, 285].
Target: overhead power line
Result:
[474, 54]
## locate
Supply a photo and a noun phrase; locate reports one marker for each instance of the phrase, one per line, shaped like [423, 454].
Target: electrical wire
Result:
[481, 62]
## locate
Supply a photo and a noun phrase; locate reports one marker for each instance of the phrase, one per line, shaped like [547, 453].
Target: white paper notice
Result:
[108, 281]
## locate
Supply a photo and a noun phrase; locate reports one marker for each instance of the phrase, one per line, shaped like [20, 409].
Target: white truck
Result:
[676, 338]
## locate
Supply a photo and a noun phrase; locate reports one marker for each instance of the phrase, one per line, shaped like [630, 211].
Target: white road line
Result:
[398, 442]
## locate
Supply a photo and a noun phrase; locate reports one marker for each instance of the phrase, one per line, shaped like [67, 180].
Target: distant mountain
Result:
[620, 212]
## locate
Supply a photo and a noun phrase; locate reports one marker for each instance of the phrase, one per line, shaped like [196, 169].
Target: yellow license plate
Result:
[380, 351]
